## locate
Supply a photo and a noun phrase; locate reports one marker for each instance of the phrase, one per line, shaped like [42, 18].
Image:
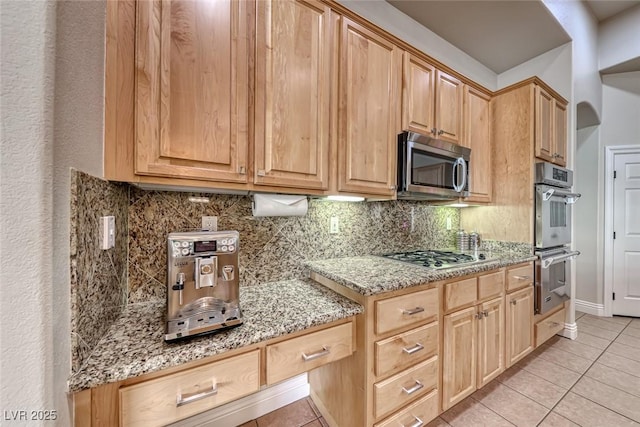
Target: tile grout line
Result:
[582, 375]
[482, 404]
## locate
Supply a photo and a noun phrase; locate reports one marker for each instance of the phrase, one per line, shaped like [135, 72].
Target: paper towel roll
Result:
[279, 205]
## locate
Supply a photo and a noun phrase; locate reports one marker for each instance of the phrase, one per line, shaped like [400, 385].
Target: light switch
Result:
[108, 232]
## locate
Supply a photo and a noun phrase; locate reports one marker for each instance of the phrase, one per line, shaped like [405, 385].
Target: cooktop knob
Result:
[481, 256]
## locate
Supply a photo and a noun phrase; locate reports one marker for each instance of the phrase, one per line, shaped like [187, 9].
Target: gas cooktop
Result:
[439, 259]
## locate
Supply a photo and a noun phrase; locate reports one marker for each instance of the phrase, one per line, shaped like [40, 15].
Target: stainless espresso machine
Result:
[203, 292]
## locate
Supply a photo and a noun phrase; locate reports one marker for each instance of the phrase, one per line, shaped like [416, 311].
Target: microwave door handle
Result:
[548, 262]
[456, 165]
[464, 173]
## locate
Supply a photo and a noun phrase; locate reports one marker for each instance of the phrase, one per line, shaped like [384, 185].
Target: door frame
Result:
[610, 153]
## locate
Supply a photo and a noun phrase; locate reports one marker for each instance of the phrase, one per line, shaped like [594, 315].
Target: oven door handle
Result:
[571, 197]
[548, 262]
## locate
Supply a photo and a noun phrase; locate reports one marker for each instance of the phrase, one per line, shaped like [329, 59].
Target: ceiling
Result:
[604, 9]
[501, 34]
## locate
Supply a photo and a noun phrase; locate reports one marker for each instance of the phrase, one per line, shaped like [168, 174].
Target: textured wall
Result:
[98, 277]
[27, 36]
[274, 248]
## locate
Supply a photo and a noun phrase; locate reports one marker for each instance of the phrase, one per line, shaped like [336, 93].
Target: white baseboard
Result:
[570, 331]
[589, 307]
[250, 407]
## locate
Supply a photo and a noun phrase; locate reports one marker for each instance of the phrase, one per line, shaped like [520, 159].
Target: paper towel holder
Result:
[279, 205]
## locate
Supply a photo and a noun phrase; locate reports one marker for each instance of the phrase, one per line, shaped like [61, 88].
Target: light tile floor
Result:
[593, 381]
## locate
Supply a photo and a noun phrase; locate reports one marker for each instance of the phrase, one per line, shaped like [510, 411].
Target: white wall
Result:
[578, 21]
[402, 26]
[619, 38]
[26, 206]
[588, 265]
[621, 109]
[553, 67]
[52, 90]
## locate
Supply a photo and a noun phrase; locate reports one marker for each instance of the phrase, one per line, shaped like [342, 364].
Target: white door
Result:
[626, 226]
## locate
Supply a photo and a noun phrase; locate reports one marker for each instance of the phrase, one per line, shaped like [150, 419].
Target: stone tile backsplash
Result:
[275, 248]
[98, 277]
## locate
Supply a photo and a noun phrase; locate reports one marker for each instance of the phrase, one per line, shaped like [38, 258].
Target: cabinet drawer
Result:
[519, 277]
[424, 410]
[183, 394]
[460, 293]
[406, 310]
[550, 326]
[490, 285]
[401, 351]
[398, 390]
[291, 357]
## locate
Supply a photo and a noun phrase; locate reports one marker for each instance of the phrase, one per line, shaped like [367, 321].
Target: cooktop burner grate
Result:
[437, 259]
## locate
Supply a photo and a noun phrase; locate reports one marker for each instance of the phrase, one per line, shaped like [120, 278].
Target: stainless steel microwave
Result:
[431, 169]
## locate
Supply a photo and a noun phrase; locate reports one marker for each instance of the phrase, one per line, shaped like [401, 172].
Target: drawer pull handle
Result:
[183, 399]
[413, 311]
[413, 349]
[522, 277]
[417, 423]
[309, 357]
[413, 389]
[554, 324]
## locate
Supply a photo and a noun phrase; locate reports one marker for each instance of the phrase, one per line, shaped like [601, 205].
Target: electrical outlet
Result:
[448, 223]
[107, 232]
[210, 223]
[334, 226]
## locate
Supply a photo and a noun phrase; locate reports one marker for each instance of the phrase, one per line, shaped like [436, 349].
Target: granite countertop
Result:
[135, 344]
[372, 275]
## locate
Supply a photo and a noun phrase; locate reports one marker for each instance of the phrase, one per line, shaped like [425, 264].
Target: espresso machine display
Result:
[203, 294]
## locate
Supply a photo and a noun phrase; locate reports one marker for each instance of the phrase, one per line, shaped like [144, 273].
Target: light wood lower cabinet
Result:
[473, 337]
[164, 397]
[519, 324]
[292, 357]
[549, 326]
[417, 413]
[174, 397]
[460, 353]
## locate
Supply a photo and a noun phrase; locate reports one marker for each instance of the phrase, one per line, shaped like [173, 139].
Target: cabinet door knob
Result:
[242, 170]
[513, 302]
[261, 172]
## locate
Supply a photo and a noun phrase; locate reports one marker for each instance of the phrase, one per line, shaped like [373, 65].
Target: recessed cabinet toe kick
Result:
[423, 349]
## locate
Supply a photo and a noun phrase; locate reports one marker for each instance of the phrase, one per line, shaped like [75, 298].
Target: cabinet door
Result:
[559, 133]
[192, 89]
[292, 94]
[477, 136]
[490, 341]
[418, 96]
[543, 124]
[449, 93]
[459, 358]
[369, 115]
[519, 324]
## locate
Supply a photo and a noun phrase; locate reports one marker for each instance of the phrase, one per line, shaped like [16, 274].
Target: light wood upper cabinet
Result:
[418, 95]
[551, 127]
[432, 100]
[519, 328]
[293, 84]
[192, 89]
[477, 137]
[560, 133]
[449, 93]
[369, 114]
[543, 121]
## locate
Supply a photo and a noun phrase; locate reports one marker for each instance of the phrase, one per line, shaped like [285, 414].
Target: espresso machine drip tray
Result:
[202, 316]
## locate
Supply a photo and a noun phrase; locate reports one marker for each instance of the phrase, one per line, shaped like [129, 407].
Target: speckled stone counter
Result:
[135, 344]
[371, 275]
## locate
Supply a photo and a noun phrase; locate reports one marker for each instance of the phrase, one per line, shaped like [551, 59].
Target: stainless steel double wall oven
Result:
[553, 203]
